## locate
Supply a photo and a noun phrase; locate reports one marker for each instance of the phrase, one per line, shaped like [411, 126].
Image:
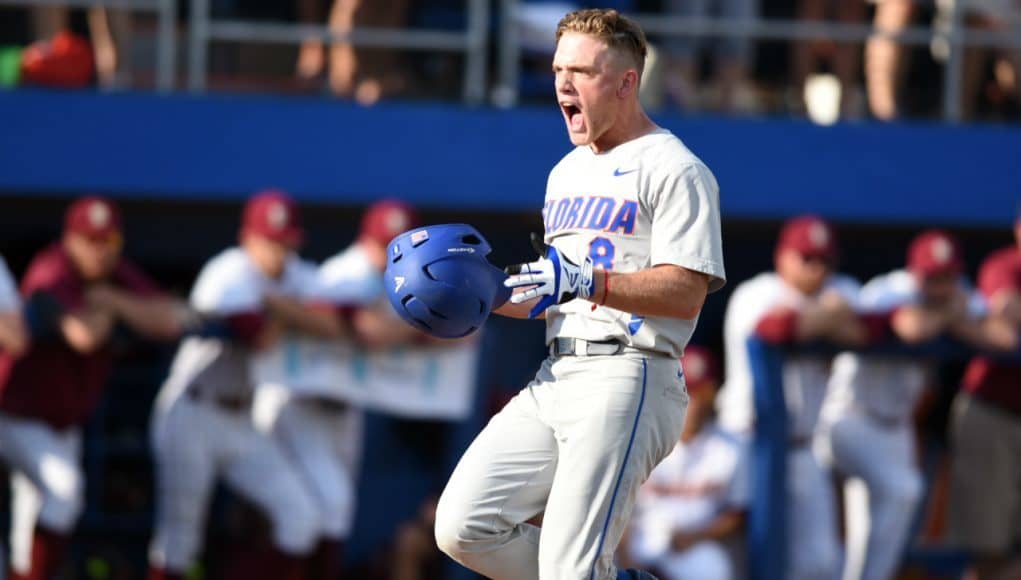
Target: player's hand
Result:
[552, 277]
[681, 541]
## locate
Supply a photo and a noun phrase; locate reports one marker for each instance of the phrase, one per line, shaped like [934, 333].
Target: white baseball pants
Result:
[577, 442]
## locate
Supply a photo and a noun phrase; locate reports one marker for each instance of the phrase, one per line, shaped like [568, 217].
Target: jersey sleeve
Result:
[9, 299]
[49, 272]
[226, 287]
[344, 281]
[883, 294]
[685, 211]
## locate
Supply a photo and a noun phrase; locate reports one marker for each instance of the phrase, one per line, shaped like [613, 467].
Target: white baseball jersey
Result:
[689, 489]
[229, 284]
[886, 388]
[9, 299]
[804, 377]
[646, 202]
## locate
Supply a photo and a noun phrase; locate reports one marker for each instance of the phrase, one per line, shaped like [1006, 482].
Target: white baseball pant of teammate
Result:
[866, 434]
[813, 546]
[686, 492]
[306, 407]
[203, 429]
[608, 404]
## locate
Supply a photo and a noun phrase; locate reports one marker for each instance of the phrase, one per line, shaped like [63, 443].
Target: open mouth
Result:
[573, 115]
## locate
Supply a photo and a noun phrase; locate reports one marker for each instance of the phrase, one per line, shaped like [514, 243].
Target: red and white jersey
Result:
[230, 285]
[646, 202]
[691, 487]
[9, 299]
[804, 377]
[886, 388]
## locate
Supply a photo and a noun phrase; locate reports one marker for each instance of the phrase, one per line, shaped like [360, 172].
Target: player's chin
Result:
[579, 138]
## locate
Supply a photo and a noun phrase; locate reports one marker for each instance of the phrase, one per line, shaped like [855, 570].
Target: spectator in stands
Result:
[13, 337]
[885, 59]
[733, 58]
[867, 433]
[843, 59]
[82, 293]
[985, 489]
[203, 429]
[692, 508]
[995, 16]
[107, 47]
[366, 74]
[804, 300]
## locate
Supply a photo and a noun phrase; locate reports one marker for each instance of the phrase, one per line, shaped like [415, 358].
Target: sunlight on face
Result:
[588, 78]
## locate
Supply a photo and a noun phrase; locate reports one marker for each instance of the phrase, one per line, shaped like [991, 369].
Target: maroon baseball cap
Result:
[387, 219]
[272, 214]
[810, 236]
[94, 217]
[935, 253]
[701, 368]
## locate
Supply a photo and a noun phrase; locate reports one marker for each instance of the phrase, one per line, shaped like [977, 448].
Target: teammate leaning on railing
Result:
[866, 432]
[82, 295]
[985, 492]
[804, 300]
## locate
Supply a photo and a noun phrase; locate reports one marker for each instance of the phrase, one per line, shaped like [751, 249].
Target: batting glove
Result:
[553, 277]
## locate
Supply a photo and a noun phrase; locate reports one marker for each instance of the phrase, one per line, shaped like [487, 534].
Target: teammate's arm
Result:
[13, 336]
[724, 526]
[157, 317]
[664, 290]
[317, 320]
[86, 331]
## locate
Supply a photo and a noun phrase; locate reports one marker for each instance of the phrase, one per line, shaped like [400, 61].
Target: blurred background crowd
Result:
[883, 59]
[137, 141]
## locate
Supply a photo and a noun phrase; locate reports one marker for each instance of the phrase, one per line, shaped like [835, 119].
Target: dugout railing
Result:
[953, 37]
[767, 521]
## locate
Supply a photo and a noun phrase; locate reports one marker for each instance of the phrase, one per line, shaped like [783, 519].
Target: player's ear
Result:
[628, 83]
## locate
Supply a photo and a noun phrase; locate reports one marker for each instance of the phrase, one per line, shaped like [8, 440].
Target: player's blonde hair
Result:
[618, 32]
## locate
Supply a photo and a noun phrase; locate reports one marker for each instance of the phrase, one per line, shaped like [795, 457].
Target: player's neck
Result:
[632, 125]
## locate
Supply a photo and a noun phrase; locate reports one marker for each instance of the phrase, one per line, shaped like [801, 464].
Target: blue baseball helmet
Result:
[439, 280]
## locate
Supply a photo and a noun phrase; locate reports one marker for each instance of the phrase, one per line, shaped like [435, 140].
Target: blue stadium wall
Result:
[181, 165]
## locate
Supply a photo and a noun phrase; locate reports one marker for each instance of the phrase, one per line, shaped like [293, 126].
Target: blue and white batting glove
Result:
[553, 277]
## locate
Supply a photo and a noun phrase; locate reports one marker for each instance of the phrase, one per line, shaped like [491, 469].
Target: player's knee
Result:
[296, 524]
[903, 492]
[453, 536]
[337, 513]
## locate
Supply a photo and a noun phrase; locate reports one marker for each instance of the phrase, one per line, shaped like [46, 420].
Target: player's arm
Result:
[518, 310]
[13, 335]
[87, 330]
[153, 316]
[664, 290]
[724, 526]
[318, 320]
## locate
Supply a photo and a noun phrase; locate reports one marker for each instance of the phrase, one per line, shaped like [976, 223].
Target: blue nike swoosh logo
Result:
[617, 172]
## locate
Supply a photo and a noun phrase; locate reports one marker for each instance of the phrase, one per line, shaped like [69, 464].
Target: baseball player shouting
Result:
[803, 300]
[81, 288]
[202, 426]
[866, 430]
[633, 226]
[13, 336]
[694, 503]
